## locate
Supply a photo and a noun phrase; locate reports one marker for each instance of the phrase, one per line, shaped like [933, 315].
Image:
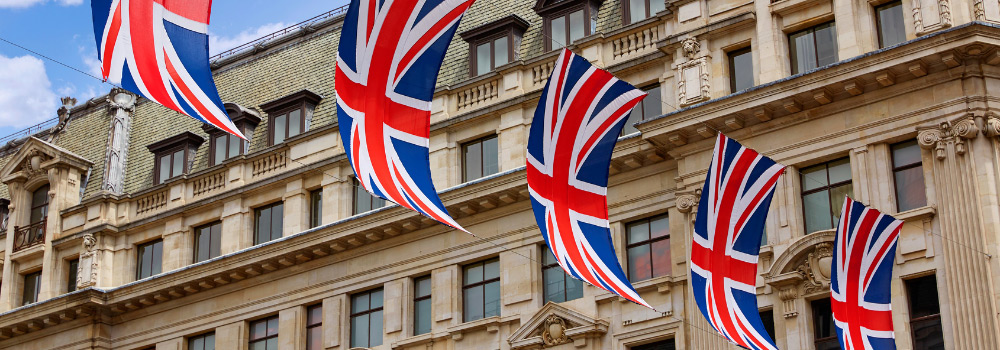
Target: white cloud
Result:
[29, 3]
[25, 92]
[218, 43]
[89, 57]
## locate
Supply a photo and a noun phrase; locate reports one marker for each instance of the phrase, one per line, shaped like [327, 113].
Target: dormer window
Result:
[4, 214]
[567, 20]
[223, 145]
[638, 10]
[174, 155]
[290, 116]
[494, 44]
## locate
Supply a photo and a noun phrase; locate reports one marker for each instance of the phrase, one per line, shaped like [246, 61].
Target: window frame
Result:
[878, 21]
[139, 248]
[641, 106]
[555, 9]
[566, 279]
[828, 187]
[656, 345]
[491, 40]
[418, 298]
[186, 141]
[629, 245]
[358, 190]
[367, 312]
[256, 222]
[627, 11]
[43, 206]
[197, 234]
[909, 306]
[311, 325]
[731, 58]
[816, 330]
[812, 31]
[316, 208]
[304, 101]
[267, 337]
[897, 169]
[512, 27]
[245, 120]
[37, 285]
[203, 336]
[482, 156]
[483, 283]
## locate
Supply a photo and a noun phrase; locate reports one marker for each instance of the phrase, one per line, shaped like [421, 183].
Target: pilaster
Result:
[231, 336]
[334, 320]
[960, 183]
[235, 235]
[177, 245]
[121, 105]
[291, 329]
[296, 208]
[338, 195]
[700, 334]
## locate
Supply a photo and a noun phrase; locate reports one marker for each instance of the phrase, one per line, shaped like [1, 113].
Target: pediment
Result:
[806, 262]
[48, 155]
[555, 325]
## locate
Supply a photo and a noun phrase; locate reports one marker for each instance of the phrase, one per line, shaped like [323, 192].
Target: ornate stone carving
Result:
[554, 331]
[955, 132]
[815, 269]
[121, 105]
[944, 8]
[691, 47]
[918, 24]
[686, 203]
[86, 273]
[788, 296]
[694, 81]
[979, 9]
[63, 112]
[89, 242]
[991, 127]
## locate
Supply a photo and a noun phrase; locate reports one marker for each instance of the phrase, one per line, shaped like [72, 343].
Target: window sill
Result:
[921, 213]
[456, 333]
[662, 284]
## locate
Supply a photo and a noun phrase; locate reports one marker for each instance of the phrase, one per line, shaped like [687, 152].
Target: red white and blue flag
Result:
[726, 243]
[579, 116]
[387, 66]
[860, 293]
[159, 49]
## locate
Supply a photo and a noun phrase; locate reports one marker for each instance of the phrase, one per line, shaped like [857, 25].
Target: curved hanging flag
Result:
[387, 65]
[727, 233]
[579, 116]
[159, 49]
[860, 295]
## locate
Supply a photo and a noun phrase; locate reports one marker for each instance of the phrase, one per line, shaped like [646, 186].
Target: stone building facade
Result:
[128, 226]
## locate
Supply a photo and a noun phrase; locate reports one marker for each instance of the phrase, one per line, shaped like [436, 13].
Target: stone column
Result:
[964, 178]
[394, 304]
[338, 195]
[177, 245]
[700, 333]
[17, 216]
[121, 105]
[231, 336]
[296, 208]
[335, 311]
[64, 192]
[291, 329]
[769, 45]
[236, 234]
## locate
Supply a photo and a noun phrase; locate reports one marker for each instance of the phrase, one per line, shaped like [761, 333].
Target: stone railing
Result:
[209, 183]
[634, 42]
[479, 94]
[540, 73]
[29, 236]
[269, 163]
[151, 202]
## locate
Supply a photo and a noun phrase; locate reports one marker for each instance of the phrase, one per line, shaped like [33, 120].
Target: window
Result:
[925, 313]
[648, 108]
[149, 259]
[224, 145]
[364, 201]
[290, 116]
[660, 345]
[264, 334]
[637, 10]
[741, 69]
[767, 316]
[557, 286]
[891, 29]
[480, 158]
[494, 44]
[268, 222]
[824, 332]
[4, 215]
[567, 20]
[481, 290]
[202, 342]
[813, 47]
[314, 327]
[824, 187]
[421, 305]
[648, 248]
[32, 286]
[316, 208]
[567, 28]
[207, 241]
[40, 204]
[366, 319]
[173, 156]
[908, 174]
[72, 266]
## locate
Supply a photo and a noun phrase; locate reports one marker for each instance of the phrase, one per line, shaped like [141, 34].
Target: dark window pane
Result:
[905, 153]
[422, 286]
[816, 207]
[71, 278]
[652, 107]
[314, 338]
[547, 257]
[178, 166]
[659, 227]
[150, 259]
[272, 326]
[235, 146]
[360, 303]
[32, 285]
[639, 263]
[316, 208]
[661, 258]
[375, 329]
[768, 318]
[422, 317]
[576, 26]
[822, 319]
[840, 171]
[491, 297]
[474, 274]
[814, 177]
[221, 144]
[660, 345]
[837, 196]
[803, 50]
[483, 59]
[263, 228]
[574, 288]
[258, 330]
[656, 6]
[741, 69]
[826, 44]
[554, 284]
[491, 270]
[558, 31]
[633, 118]
[473, 303]
[491, 158]
[500, 55]
[923, 297]
[277, 220]
[314, 315]
[638, 232]
[891, 30]
[637, 10]
[359, 331]
[910, 191]
[164, 168]
[473, 161]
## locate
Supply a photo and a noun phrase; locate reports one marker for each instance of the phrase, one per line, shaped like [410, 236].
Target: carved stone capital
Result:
[991, 126]
[955, 132]
[121, 99]
[686, 203]
[788, 295]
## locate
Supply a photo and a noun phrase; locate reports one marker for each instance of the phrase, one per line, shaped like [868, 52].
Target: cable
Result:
[57, 62]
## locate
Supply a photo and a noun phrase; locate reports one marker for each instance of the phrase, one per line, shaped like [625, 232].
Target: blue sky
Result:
[30, 86]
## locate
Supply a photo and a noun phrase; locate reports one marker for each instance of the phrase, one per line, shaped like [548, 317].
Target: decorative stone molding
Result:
[979, 10]
[554, 332]
[694, 83]
[691, 47]
[991, 126]
[554, 325]
[815, 269]
[929, 15]
[788, 296]
[63, 113]
[686, 203]
[121, 104]
[86, 273]
[956, 131]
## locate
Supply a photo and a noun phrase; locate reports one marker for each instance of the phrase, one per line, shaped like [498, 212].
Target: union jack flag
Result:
[579, 116]
[727, 233]
[387, 65]
[159, 49]
[860, 294]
